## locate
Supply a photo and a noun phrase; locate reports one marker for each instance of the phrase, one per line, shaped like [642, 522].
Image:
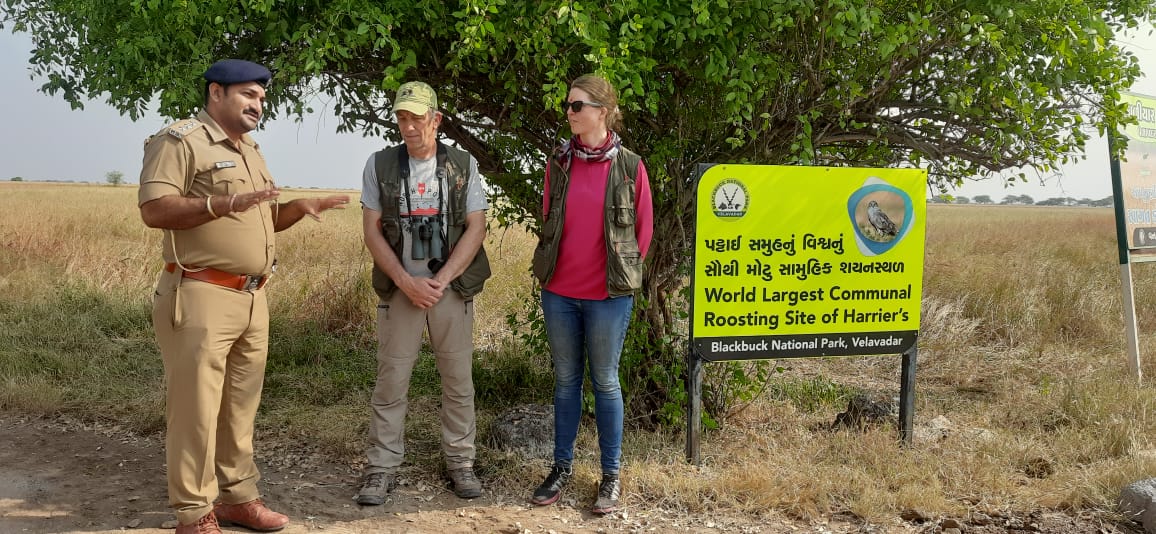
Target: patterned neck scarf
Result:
[575, 148]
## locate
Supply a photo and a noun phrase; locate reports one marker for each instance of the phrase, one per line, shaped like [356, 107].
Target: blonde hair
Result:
[603, 93]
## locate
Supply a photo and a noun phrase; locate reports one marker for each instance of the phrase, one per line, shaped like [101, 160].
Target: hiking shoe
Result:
[466, 485]
[608, 492]
[551, 488]
[375, 488]
[253, 515]
[207, 524]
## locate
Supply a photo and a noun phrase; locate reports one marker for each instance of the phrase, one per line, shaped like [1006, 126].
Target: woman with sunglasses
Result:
[597, 225]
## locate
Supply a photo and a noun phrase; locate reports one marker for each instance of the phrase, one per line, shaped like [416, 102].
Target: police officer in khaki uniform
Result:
[204, 182]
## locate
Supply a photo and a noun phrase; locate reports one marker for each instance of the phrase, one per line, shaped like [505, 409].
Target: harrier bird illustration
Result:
[880, 220]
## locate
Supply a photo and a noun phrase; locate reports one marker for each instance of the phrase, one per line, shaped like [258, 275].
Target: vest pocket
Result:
[474, 278]
[551, 224]
[622, 216]
[541, 264]
[624, 268]
[621, 205]
[628, 252]
[456, 217]
[391, 230]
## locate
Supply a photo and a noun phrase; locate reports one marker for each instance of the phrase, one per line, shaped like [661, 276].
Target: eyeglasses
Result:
[576, 105]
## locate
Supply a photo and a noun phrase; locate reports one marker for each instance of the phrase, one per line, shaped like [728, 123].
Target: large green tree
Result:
[963, 88]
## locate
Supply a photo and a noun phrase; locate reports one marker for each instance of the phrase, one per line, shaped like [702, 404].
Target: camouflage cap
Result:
[415, 97]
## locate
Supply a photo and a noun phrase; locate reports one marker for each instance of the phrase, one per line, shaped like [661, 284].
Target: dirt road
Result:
[64, 476]
[59, 475]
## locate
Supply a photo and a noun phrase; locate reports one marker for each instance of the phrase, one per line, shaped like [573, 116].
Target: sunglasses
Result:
[576, 105]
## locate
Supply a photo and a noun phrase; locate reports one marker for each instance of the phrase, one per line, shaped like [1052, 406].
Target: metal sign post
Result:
[1134, 199]
[1131, 333]
[907, 396]
[694, 411]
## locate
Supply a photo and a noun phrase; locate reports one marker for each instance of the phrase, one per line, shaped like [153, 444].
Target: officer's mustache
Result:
[255, 112]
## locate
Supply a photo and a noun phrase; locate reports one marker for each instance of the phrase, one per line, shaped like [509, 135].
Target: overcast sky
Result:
[44, 139]
[1092, 177]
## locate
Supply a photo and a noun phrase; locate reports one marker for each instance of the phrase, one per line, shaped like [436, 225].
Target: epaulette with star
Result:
[185, 127]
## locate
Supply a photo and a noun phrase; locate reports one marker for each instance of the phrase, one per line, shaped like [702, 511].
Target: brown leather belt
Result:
[240, 282]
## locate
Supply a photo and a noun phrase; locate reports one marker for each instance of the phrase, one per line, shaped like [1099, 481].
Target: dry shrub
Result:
[30, 394]
[1028, 275]
[944, 323]
[510, 251]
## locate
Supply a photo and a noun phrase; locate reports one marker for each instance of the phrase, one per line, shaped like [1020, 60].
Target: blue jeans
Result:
[581, 331]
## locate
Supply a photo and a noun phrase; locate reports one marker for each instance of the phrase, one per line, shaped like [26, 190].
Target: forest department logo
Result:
[729, 199]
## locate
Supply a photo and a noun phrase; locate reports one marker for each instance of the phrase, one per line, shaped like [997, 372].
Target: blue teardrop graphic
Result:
[873, 209]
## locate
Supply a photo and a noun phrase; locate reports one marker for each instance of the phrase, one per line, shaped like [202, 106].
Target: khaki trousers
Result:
[399, 331]
[214, 342]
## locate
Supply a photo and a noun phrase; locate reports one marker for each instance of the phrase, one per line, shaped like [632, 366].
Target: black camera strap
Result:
[439, 175]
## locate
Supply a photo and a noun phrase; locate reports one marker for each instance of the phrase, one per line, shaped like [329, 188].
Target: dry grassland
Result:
[1022, 361]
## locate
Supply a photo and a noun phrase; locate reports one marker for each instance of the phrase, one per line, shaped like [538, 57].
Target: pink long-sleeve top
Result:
[580, 271]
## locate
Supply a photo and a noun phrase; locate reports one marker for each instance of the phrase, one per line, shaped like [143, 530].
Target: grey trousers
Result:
[399, 331]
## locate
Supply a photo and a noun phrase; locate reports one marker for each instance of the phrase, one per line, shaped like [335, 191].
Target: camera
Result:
[426, 232]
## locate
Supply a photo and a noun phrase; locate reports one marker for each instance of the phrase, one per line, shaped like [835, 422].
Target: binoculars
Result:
[427, 241]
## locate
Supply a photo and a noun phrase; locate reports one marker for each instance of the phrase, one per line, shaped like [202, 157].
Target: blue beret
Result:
[228, 71]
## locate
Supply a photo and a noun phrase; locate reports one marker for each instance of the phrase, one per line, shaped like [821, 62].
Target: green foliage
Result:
[527, 326]
[17, 179]
[511, 377]
[114, 178]
[308, 365]
[1026, 200]
[652, 370]
[811, 394]
[1057, 201]
[730, 387]
[964, 88]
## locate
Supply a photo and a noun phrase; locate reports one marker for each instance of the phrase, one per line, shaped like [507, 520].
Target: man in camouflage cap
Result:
[423, 216]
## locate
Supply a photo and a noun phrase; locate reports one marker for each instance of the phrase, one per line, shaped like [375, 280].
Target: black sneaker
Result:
[551, 488]
[608, 492]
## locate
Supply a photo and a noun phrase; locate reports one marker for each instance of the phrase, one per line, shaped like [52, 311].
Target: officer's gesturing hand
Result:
[292, 211]
[314, 206]
[243, 201]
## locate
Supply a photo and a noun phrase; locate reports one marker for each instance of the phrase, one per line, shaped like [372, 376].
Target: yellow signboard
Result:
[1143, 108]
[807, 261]
[1138, 173]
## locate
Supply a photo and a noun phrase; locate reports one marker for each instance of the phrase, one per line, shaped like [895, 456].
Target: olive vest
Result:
[456, 164]
[623, 258]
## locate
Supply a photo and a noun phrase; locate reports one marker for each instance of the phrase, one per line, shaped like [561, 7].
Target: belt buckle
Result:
[252, 283]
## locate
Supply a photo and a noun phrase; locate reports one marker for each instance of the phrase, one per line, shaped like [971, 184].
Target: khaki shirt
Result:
[195, 158]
